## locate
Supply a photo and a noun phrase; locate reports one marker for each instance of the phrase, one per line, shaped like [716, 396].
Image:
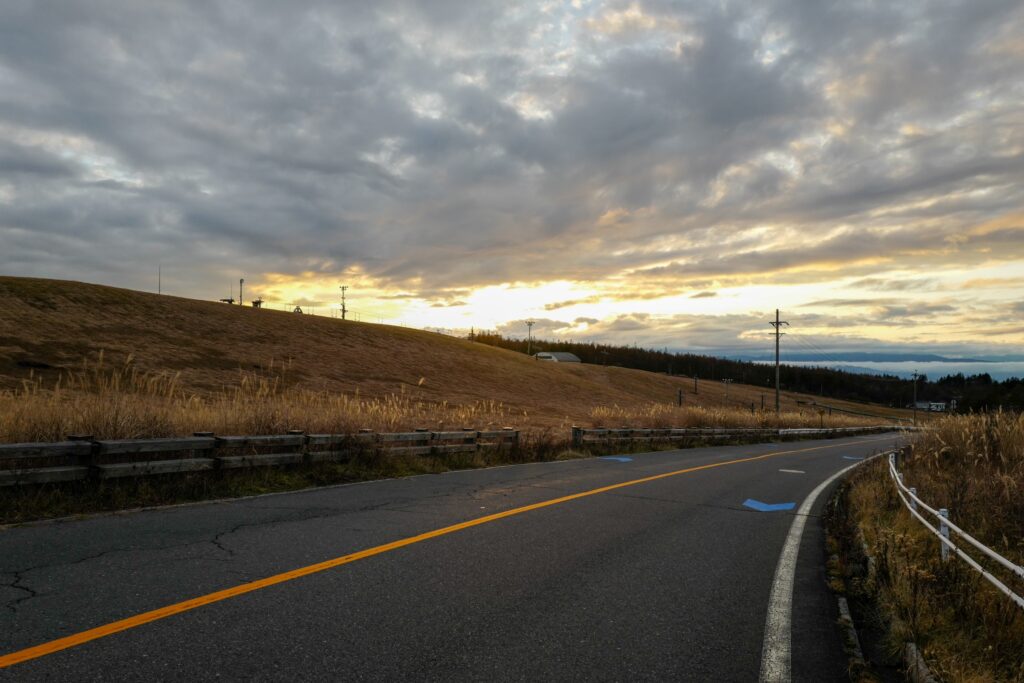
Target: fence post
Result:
[302, 446]
[679, 397]
[913, 502]
[944, 530]
[88, 460]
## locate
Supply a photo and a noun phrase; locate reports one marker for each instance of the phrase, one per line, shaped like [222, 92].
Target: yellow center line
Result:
[177, 608]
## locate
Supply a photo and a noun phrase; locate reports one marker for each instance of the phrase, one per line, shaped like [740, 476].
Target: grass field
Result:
[80, 358]
[113, 363]
[972, 465]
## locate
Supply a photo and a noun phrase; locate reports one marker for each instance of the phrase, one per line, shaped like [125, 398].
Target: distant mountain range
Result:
[831, 358]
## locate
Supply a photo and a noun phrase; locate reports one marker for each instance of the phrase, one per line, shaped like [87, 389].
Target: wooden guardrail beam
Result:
[83, 457]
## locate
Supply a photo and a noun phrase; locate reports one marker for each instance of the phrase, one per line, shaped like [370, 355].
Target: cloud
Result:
[704, 295]
[542, 327]
[845, 303]
[572, 302]
[438, 147]
[893, 285]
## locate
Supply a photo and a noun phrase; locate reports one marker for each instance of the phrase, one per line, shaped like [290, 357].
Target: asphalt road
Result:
[662, 579]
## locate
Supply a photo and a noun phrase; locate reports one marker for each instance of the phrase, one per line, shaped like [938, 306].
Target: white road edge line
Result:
[793, 471]
[776, 652]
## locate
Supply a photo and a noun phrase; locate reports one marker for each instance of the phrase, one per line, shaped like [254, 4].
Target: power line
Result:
[821, 353]
[813, 350]
[817, 350]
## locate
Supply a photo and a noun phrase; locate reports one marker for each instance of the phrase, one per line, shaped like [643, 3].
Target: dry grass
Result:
[974, 466]
[158, 366]
[210, 351]
[125, 402]
[662, 416]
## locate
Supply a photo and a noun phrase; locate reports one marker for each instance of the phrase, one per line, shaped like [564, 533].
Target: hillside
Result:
[50, 327]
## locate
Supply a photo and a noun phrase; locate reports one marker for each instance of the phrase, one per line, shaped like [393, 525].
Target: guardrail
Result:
[82, 457]
[582, 437]
[913, 503]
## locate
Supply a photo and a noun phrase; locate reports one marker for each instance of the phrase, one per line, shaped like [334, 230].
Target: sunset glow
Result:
[631, 172]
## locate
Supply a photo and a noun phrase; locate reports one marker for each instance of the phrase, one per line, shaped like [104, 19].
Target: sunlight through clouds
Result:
[636, 171]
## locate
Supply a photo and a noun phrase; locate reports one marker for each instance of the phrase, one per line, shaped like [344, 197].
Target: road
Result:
[644, 567]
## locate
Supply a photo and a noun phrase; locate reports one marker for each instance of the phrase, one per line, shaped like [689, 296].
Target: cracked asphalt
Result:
[665, 579]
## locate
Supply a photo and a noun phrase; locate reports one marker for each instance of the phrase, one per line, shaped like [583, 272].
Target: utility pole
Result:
[778, 334]
[915, 397]
[343, 309]
[241, 281]
[529, 337]
[726, 382]
[159, 278]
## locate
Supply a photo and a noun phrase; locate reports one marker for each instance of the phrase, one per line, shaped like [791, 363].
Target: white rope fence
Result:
[909, 497]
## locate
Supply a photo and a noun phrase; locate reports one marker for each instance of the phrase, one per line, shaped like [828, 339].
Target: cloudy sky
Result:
[660, 173]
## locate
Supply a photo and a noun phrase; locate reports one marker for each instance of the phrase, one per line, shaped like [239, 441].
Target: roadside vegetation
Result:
[212, 351]
[124, 402]
[80, 359]
[973, 465]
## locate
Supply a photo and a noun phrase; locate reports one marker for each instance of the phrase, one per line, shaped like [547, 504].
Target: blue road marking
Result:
[617, 458]
[852, 457]
[767, 507]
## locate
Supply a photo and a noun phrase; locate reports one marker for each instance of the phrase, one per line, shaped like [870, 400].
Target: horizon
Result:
[626, 172]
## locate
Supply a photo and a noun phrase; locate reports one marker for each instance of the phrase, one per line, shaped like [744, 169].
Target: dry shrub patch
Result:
[973, 465]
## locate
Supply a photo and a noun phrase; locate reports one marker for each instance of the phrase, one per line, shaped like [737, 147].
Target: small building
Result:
[557, 356]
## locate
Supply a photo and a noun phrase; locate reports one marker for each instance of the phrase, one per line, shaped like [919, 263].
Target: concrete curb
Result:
[914, 666]
[850, 635]
[917, 669]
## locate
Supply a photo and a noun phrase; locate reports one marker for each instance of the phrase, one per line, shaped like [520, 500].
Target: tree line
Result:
[974, 392]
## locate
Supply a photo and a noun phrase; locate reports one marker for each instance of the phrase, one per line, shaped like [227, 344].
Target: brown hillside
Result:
[48, 327]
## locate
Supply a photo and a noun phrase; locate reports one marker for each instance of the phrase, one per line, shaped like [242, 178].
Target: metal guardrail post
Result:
[577, 436]
[913, 493]
[944, 530]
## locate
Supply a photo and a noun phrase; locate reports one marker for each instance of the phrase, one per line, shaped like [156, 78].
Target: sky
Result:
[657, 173]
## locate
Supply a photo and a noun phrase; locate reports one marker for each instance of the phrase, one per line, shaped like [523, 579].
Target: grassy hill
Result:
[50, 328]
